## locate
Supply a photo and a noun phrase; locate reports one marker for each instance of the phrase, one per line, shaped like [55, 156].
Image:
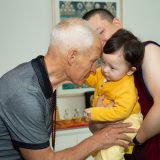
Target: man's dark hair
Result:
[132, 47]
[103, 13]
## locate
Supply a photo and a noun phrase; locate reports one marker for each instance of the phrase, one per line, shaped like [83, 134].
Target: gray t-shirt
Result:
[25, 113]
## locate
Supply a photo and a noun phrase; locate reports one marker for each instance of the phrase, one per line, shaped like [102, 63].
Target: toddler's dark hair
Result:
[133, 48]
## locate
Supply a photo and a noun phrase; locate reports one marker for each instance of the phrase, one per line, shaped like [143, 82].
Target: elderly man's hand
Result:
[114, 135]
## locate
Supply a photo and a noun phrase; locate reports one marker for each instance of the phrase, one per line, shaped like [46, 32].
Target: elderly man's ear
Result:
[131, 71]
[71, 56]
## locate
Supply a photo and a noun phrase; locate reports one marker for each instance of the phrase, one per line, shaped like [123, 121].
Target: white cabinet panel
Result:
[65, 141]
[71, 137]
[83, 136]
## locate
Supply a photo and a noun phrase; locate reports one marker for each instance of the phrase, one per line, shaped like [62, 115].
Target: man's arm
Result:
[151, 74]
[105, 138]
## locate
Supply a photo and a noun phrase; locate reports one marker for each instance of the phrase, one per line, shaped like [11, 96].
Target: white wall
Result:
[142, 17]
[25, 27]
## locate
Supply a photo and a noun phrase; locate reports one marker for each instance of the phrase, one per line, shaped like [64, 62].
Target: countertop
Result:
[71, 123]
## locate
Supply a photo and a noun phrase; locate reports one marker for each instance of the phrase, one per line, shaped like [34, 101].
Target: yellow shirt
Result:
[123, 93]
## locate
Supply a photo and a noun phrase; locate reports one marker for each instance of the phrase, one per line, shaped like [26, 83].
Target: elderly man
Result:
[26, 102]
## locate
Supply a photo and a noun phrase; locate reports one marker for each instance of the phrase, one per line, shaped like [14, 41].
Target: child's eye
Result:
[112, 68]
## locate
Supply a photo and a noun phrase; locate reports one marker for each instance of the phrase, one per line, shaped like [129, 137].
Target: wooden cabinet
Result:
[71, 137]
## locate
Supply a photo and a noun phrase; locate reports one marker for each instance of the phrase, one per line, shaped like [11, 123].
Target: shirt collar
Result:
[42, 75]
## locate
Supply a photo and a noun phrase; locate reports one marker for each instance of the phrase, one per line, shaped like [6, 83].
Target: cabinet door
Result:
[65, 141]
[69, 138]
[83, 136]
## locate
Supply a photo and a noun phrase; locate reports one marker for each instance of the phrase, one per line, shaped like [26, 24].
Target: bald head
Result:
[73, 33]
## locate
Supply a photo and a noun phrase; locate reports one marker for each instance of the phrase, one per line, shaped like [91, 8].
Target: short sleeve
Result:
[25, 118]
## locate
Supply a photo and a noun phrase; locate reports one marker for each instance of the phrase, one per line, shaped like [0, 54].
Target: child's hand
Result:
[111, 104]
[100, 101]
[101, 104]
[87, 114]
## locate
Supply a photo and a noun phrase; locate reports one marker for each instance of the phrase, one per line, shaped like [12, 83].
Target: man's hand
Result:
[114, 135]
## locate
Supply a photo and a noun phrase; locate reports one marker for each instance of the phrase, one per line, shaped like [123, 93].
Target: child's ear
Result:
[131, 71]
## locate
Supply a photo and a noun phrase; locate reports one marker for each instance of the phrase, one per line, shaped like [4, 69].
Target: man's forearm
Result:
[103, 139]
[78, 152]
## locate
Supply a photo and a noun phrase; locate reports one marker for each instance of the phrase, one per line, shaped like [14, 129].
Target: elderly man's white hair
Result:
[72, 33]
